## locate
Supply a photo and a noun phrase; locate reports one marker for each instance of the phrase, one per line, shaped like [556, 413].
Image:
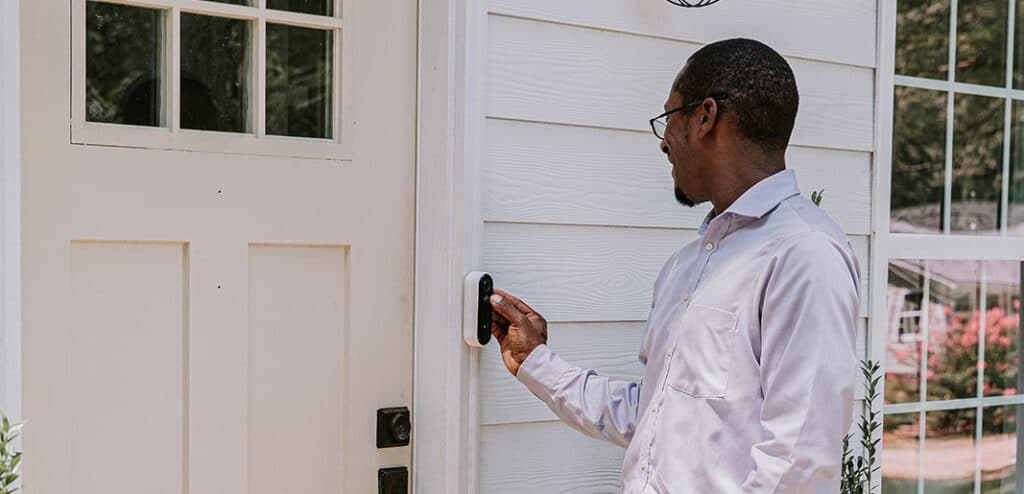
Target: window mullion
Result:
[947, 195]
[1004, 196]
[261, 74]
[980, 369]
[173, 71]
[923, 398]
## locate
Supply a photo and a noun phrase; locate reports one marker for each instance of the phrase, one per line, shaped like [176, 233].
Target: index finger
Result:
[518, 304]
[502, 304]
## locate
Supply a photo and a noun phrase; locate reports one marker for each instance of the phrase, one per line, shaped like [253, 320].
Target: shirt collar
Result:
[761, 198]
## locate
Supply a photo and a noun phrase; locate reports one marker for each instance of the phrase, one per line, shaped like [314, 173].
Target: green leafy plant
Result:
[816, 196]
[858, 468]
[10, 460]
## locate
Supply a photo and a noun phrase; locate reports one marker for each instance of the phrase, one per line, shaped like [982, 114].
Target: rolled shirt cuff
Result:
[541, 370]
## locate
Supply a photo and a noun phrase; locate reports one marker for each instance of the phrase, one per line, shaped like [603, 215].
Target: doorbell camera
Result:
[476, 320]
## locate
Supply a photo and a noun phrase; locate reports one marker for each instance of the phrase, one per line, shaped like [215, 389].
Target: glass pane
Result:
[977, 164]
[215, 73]
[298, 81]
[317, 7]
[918, 161]
[1002, 328]
[900, 433]
[949, 461]
[922, 38]
[905, 340]
[124, 64]
[981, 42]
[953, 329]
[999, 449]
[235, 2]
[1015, 217]
[1018, 43]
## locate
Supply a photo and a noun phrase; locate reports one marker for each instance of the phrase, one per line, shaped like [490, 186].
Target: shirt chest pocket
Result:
[702, 358]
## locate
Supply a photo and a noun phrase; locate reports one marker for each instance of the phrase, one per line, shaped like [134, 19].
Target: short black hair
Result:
[758, 82]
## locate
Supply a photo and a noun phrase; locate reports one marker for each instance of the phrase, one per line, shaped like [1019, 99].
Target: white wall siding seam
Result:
[10, 210]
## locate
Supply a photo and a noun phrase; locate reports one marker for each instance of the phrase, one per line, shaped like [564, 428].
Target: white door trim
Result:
[10, 210]
[881, 186]
[448, 242]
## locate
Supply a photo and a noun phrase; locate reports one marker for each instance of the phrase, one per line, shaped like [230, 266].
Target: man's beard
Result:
[681, 197]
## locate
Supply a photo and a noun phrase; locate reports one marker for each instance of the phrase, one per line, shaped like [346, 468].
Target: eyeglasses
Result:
[660, 122]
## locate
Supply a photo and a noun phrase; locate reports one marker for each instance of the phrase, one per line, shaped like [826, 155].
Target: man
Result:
[749, 350]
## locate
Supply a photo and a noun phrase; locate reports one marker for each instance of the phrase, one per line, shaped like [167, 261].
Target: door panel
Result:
[217, 323]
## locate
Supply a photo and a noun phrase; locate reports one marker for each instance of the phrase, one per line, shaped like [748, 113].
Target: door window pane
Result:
[1015, 214]
[999, 449]
[918, 165]
[948, 463]
[905, 339]
[215, 73]
[1002, 328]
[977, 164]
[953, 329]
[981, 42]
[124, 64]
[922, 38]
[1018, 42]
[316, 7]
[299, 81]
[900, 447]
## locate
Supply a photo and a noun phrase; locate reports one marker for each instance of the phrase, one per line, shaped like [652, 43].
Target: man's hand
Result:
[518, 328]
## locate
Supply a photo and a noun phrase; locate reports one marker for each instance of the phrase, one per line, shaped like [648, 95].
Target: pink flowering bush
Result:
[953, 363]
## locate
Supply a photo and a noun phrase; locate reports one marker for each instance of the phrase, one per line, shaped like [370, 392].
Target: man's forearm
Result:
[592, 404]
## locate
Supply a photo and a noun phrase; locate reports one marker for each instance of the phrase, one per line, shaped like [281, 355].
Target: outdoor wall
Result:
[579, 213]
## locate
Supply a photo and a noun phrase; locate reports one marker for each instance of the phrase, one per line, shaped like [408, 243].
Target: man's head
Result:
[739, 100]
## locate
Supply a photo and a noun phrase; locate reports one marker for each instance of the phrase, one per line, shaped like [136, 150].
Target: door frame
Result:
[10, 210]
[449, 233]
[450, 127]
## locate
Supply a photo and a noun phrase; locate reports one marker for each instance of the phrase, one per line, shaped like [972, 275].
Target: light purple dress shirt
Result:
[749, 358]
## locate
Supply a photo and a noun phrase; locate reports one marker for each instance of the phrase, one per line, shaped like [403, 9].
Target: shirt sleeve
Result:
[592, 404]
[808, 366]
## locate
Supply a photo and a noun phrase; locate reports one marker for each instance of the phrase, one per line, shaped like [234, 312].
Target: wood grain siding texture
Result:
[546, 458]
[541, 71]
[543, 173]
[578, 210]
[843, 31]
[592, 274]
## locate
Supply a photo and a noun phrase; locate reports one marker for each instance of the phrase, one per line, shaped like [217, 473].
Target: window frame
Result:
[887, 246]
[171, 136]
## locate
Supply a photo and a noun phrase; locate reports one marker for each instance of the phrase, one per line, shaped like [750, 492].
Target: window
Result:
[245, 76]
[952, 395]
[946, 315]
[957, 163]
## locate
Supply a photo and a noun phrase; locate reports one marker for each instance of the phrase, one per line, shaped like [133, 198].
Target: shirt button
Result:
[709, 247]
[654, 408]
[669, 353]
[686, 297]
[643, 466]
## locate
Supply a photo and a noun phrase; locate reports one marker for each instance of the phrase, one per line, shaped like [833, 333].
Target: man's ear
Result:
[708, 117]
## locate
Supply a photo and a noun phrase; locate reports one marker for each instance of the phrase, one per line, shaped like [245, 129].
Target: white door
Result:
[218, 249]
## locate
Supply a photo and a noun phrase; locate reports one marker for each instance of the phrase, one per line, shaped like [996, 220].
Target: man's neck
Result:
[738, 175]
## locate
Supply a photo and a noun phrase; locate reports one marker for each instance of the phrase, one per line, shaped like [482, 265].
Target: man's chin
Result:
[683, 199]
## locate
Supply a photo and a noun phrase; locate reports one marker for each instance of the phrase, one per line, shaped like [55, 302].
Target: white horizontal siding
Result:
[545, 173]
[577, 195]
[842, 31]
[546, 458]
[539, 71]
[610, 348]
[585, 273]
